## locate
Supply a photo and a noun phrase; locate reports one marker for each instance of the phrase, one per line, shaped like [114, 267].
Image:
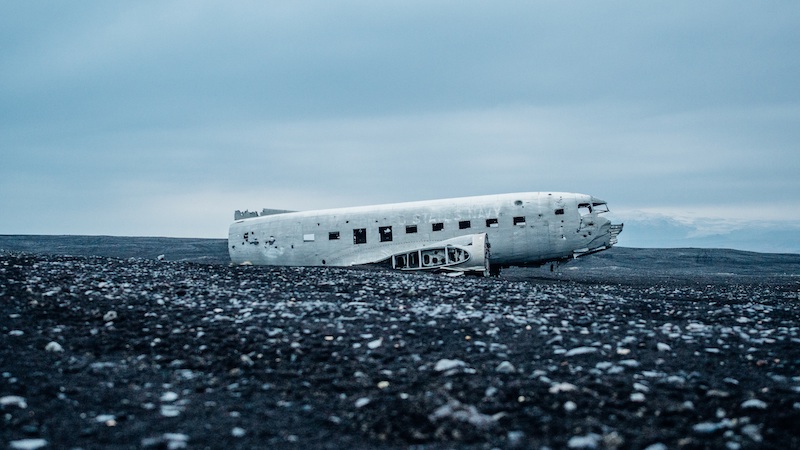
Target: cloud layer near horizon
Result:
[161, 118]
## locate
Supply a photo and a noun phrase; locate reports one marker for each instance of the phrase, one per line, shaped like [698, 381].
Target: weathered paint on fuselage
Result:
[522, 229]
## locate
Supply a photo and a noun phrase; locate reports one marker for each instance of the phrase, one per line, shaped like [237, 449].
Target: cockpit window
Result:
[600, 207]
[584, 209]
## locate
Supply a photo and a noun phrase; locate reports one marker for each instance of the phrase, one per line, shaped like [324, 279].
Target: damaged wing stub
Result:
[447, 235]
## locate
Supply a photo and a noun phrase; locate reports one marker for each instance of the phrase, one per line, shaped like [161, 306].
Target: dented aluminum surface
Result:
[471, 234]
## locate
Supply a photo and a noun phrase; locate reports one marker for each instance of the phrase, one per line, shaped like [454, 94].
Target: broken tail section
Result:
[246, 214]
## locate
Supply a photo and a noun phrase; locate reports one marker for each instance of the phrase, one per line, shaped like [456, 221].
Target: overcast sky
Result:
[160, 118]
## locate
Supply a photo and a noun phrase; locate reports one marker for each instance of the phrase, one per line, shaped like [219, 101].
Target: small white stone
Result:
[13, 400]
[170, 410]
[705, 427]
[515, 437]
[362, 402]
[375, 344]
[562, 387]
[754, 404]
[570, 406]
[662, 347]
[103, 418]
[580, 351]
[16, 333]
[54, 347]
[656, 446]
[752, 432]
[238, 432]
[110, 316]
[169, 396]
[505, 367]
[591, 440]
[176, 440]
[28, 444]
[447, 364]
[637, 397]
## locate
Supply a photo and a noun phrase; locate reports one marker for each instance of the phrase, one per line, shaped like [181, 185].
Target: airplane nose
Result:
[609, 231]
[605, 237]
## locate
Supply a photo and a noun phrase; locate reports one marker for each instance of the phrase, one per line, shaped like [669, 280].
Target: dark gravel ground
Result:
[627, 350]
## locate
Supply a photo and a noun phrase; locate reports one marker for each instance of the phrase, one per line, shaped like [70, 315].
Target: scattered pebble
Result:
[448, 364]
[505, 367]
[13, 400]
[562, 387]
[171, 410]
[515, 438]
[54, 347]
[28, 444]
[656, 446]
[754, 404]
[168, 396]
[589, 441]
[580, 351]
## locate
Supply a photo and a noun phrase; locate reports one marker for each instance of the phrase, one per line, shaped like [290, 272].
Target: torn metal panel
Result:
[462, 254]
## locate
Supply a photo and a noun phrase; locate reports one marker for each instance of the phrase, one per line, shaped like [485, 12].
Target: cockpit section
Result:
[595, 206]
[598, 232]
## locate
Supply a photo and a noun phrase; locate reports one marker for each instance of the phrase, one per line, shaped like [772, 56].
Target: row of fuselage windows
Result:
[385, 233]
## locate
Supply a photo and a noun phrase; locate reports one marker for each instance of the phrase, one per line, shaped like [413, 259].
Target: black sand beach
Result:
[105, 345]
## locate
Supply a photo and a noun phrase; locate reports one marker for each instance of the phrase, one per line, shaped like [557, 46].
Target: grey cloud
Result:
[108, 106]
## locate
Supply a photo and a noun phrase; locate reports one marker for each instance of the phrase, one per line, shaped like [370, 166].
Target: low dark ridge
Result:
[209, 251]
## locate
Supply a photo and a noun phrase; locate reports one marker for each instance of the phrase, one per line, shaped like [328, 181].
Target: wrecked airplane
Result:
[477, 235]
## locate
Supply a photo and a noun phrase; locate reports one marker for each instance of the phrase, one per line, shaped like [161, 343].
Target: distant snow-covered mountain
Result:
[647, 230]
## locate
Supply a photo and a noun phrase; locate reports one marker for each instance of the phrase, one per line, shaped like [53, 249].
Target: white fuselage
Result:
[528, 228]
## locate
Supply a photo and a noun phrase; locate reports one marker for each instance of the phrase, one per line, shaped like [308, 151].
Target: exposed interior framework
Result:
[430, 258]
